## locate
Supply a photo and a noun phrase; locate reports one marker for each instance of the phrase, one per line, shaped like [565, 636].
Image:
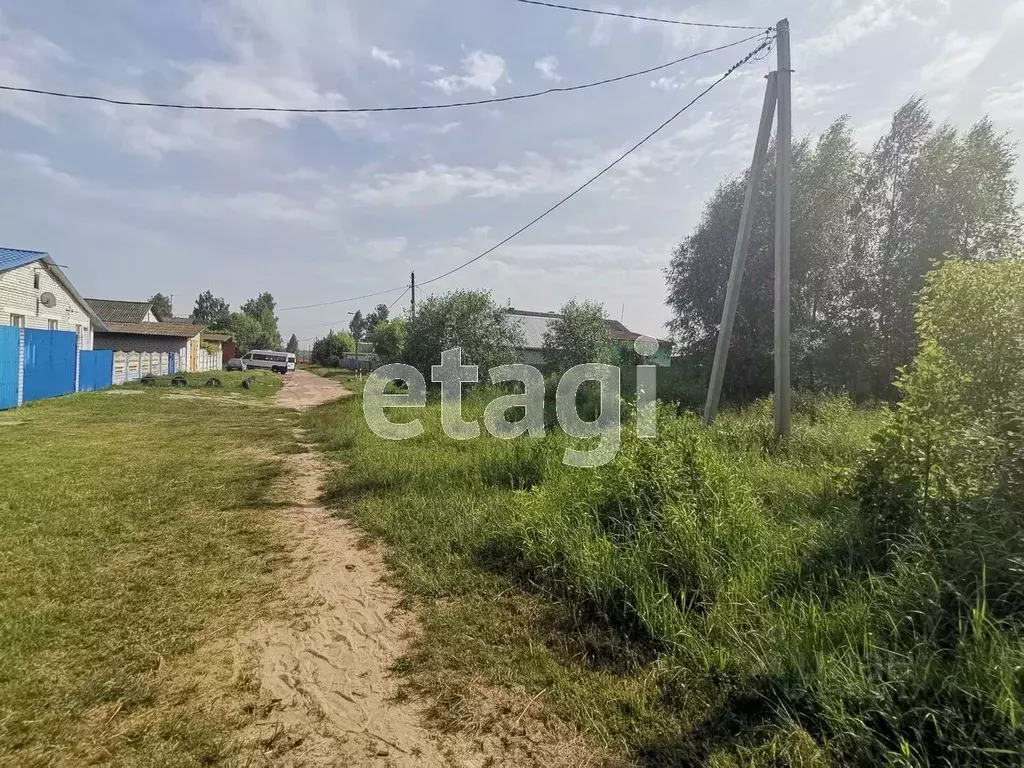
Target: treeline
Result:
[867, 227]
[254, 327]
[385, 333]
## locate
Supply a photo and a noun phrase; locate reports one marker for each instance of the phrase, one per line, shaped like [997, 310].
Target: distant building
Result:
[534, 324]
[134, 332]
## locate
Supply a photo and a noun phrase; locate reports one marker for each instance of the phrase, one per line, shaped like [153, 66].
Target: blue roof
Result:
[14, 257]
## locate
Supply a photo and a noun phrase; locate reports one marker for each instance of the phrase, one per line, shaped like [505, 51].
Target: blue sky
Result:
[312, 209]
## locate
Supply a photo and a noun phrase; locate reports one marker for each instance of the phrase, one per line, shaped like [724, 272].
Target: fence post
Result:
[21, 366]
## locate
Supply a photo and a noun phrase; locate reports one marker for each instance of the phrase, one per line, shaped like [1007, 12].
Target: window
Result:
[247, 356]
[35, 280]
[18, 321]
[53, 325]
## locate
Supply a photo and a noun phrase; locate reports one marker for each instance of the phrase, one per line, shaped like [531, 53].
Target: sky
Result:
[316, 208]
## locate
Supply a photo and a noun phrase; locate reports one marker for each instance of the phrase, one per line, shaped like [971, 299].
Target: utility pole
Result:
[739, 255]
[412, 286]
[783, 214]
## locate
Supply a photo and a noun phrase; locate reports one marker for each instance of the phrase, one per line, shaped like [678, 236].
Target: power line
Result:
[343, 301]
[351, 110]
[638, 18]
[604, 170]
[565, 199]
[392, 304]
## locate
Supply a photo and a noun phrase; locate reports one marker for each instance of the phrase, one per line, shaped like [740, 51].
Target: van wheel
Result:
[277, 369]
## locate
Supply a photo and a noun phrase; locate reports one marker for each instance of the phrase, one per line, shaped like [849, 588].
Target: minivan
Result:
[278, 362]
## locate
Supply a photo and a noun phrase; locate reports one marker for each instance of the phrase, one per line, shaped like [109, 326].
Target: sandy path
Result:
[325, 671]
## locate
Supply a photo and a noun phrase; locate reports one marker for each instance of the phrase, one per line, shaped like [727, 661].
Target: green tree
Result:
[261, 309]
[388, 339]
[161, 307]
[867, 227]
[212, 311]
[579, 336]
[467, 319]
[375, 318]
[249, 333]
[357, 325]
[293, 344]
[332, 348]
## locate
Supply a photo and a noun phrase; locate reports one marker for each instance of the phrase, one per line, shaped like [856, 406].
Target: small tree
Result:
[161, 306]
[357, 326]
[379, 315]
[249, 333]
[331, 349]
[388, 339]
[579, 336]
[261, 309]
[293, 344]
[467, 319]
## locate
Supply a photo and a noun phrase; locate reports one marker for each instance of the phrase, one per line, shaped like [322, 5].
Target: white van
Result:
[278, 362]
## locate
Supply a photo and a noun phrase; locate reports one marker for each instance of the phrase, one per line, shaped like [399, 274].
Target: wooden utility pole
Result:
[783, 213]
[412, 286]
[739, 255]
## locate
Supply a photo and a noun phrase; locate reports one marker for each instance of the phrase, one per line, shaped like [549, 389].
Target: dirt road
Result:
[304, 390]
[325, 671]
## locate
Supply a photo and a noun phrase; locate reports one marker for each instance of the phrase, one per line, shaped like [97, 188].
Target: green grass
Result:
[353, 380]
[651, 600]
[264, 382]
[136, 528]
[709, 597]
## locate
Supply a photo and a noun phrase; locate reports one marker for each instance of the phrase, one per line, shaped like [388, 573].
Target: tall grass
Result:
[708, 596]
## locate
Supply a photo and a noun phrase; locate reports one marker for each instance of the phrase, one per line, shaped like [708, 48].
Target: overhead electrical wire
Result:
[607, 168]
[365, 110]
[635, 17]
[392, 304]
[343, 301]
[568, 197]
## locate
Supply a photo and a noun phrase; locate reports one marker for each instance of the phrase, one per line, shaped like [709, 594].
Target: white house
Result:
[35, 293]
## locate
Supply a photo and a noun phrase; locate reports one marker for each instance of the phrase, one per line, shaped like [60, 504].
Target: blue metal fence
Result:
[10, 341]
[95, 370]
[49, 364]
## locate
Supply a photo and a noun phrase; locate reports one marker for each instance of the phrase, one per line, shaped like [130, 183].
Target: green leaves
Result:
[467, 319]
[867, 227]
[579, 336]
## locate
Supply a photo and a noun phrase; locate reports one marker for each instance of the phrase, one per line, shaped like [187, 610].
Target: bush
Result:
[942, 497]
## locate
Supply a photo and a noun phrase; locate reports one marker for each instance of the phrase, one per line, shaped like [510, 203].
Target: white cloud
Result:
[955, 61]
[548, 68]
[26, 59]
[482, 71]
[385, 58]
[672, 83]
[1005, 103]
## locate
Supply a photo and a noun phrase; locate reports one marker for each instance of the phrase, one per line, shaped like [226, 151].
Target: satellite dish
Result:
[48, 300]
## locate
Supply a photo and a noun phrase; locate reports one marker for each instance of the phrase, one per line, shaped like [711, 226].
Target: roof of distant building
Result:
[534, 324]
[12, 258]
[117, 311]
[156, 329]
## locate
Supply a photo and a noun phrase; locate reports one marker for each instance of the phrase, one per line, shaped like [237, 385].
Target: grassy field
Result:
[135, 531]
[657, 632]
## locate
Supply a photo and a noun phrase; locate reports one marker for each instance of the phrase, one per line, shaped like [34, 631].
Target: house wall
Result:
[18, 295]
[126, 345]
